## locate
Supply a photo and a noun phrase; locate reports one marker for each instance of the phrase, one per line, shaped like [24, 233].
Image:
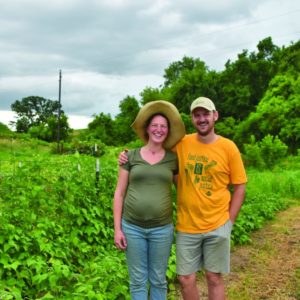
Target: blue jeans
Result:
[147, 254]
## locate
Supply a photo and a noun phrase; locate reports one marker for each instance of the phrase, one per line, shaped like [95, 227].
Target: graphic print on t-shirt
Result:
[198, 171]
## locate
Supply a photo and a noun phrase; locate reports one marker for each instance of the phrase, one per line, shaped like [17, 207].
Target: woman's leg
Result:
[160, 241]
[137, 260]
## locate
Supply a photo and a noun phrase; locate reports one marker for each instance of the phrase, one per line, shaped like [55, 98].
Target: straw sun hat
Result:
[176, 130]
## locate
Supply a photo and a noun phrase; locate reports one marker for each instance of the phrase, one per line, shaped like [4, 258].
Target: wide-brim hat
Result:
[176, 130]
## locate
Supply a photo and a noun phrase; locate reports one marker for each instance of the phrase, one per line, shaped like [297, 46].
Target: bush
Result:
[266, 153]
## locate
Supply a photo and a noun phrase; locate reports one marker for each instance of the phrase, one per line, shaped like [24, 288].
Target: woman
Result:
[143, 203]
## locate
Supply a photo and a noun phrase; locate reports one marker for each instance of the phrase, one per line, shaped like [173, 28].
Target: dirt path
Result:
[268, 268]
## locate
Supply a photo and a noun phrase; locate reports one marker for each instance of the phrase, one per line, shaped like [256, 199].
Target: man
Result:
[206, 210]
[209, 165]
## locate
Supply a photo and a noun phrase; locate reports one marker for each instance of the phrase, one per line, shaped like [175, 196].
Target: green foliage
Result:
[56, 234]
[129, 108]
[276, 114]
[48, 131]
[226, 127]
[244, 81]
[267, 193]
[33, 110]
[4, 130]
[151, 94]
[186, 80]
[266, 153]
[101, 128]
[91, 147]
[189, 127]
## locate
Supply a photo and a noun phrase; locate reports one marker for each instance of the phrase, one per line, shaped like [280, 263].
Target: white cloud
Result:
[109, 49]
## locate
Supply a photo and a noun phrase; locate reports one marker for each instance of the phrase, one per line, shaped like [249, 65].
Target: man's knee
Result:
[214, 279]
[187, 280]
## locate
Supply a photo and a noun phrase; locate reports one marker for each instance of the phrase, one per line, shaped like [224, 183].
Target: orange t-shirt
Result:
[205, 174]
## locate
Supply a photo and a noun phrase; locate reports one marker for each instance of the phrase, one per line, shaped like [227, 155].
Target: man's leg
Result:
[188, 262]
[215, 284]
[216, 249]
[189, 288]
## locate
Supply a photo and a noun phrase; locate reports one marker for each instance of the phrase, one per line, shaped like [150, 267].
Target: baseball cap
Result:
[204, 103]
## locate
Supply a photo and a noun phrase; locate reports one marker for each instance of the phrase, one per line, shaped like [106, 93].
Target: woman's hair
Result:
[147, 123]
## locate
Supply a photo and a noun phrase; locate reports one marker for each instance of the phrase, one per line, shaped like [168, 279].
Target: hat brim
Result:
[176, 130]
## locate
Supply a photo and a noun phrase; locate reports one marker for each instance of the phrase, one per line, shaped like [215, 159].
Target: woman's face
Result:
[158, 129]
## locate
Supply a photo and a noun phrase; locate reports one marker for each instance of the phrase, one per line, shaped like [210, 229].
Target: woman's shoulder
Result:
[170, 154]
[133, 153]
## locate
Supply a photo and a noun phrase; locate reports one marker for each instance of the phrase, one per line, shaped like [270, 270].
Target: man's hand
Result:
[123, 159]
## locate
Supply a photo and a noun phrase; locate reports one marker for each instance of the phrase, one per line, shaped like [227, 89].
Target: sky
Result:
[109, 49]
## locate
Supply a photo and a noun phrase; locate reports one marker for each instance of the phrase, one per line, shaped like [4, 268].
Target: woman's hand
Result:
[120, 240]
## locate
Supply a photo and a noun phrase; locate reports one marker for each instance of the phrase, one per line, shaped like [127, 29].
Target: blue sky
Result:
[108, 49]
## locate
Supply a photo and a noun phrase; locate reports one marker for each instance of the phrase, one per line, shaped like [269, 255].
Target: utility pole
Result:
[58, 116]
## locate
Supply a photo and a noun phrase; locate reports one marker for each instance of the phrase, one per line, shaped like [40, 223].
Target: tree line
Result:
[257, 96]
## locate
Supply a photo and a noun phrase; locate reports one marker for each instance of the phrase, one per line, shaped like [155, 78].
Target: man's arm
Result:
[237, 198]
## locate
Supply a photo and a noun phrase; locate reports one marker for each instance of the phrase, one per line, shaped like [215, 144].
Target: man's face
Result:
[204, 120]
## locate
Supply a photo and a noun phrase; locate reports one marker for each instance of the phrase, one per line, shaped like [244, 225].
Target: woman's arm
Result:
[120, 240]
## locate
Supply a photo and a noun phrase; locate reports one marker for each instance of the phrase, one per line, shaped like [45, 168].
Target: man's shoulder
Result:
[188, 137]
[228, 144]
[225, 140]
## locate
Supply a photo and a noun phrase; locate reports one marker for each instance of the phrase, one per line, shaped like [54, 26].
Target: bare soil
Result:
[269, 267]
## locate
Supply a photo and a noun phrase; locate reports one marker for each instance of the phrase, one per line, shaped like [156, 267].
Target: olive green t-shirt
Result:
[148, 200]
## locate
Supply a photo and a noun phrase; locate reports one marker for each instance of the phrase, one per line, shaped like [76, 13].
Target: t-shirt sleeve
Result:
[126, 166]
[238, 172]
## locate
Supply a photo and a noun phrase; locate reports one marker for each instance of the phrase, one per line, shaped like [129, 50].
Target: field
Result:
[56, 234]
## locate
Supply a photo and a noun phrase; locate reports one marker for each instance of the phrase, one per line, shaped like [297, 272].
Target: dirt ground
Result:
[269, 267]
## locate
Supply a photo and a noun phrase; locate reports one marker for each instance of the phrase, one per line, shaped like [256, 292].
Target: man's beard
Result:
[206, 132]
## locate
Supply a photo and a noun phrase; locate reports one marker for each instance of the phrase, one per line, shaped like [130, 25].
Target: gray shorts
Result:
[210, 250]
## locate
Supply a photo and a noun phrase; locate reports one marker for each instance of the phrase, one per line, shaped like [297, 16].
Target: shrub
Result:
[264, 154]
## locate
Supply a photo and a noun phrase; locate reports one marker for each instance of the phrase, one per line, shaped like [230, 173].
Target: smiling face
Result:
[204, 121]
[158, 129]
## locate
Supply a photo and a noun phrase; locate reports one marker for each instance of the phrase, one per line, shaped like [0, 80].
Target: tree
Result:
[47, 131]
[32, 111]
[129, 108]
[102, 128]
[175, 70]
[243, 83]
[277, 114]
[187, 80]
[151, 94]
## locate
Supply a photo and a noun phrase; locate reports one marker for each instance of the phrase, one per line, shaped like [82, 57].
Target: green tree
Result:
[277, 114]
[129, 108]
[265, 153]
[102, 128]
[151, 94]
[226, 127]
[187, 80]
[189, 127]
[32, 111]
[243, 82]
[289, 59]
[48, 130]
